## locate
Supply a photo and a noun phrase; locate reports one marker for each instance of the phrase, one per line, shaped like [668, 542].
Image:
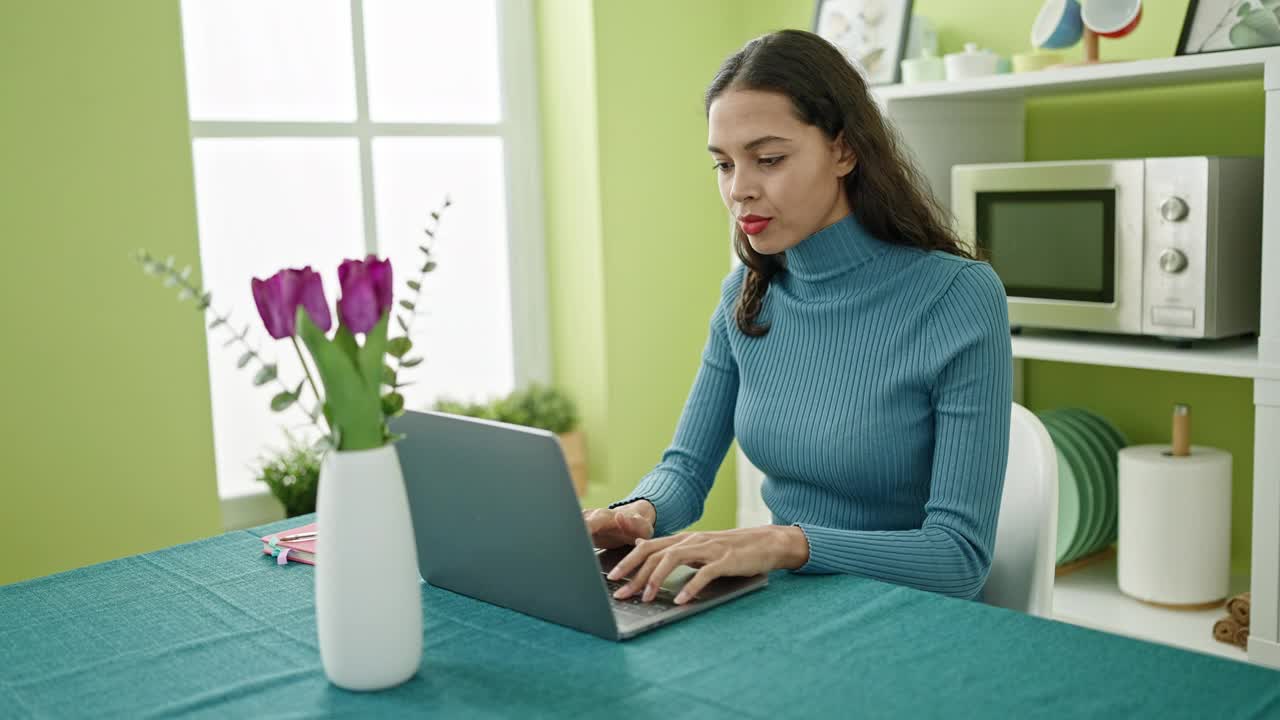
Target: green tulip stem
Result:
[306, 369]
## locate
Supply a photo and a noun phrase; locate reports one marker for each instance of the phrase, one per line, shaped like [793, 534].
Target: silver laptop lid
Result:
[496, 518]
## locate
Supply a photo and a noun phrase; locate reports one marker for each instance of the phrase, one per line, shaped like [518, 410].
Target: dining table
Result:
[217, 628]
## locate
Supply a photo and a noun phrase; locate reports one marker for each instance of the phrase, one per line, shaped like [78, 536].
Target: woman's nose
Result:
[744, 187]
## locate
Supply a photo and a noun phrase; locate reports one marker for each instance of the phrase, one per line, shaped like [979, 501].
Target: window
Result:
[328, 129]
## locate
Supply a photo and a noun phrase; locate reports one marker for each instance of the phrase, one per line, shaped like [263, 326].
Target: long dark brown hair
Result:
[887, 192]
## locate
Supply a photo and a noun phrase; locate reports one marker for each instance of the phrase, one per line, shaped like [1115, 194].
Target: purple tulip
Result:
[279, 296]
[366, 292]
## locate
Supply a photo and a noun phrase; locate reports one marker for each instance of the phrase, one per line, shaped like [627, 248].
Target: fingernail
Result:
[681, 598]
[613, 574]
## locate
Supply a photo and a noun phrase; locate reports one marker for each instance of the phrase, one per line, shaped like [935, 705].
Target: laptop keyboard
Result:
[663, 601]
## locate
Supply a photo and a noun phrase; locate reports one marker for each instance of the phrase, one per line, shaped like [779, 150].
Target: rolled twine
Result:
[1229, 631]
[1224, 630]
[1238, 606]
[1242, 637]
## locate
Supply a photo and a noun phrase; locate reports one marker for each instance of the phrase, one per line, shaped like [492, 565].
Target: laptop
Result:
[496, 519]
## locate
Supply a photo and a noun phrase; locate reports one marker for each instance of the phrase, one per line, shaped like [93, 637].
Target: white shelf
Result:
[1186, 69]
[1090, 597]
[1237, 357]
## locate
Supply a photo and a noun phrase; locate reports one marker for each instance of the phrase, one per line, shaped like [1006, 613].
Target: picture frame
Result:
[872, 34]
[1225, 25]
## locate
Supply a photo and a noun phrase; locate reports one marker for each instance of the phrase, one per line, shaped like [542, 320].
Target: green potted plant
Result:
[292, 475]
[537, 405]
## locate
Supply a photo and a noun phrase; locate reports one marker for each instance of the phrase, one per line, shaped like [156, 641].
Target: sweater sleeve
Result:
[679, 484]
[971, 397]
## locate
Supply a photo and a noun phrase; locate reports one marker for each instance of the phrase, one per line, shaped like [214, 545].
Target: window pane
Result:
[463, 326]
[433, 61]
[270, 61]
[262, 205]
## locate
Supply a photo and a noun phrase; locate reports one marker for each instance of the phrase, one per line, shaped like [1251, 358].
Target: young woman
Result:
[860, 354]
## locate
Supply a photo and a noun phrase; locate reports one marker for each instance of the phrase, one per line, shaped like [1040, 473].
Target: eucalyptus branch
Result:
[399, 347]
[203, 300]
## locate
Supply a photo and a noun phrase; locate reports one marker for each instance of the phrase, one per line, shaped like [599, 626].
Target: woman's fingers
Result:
[596, 519]
[667, 561]
[638, 555]
[610, 528]
[605, 528]
[668, 550]
[641, 574]
[700, 580]
[635, 525]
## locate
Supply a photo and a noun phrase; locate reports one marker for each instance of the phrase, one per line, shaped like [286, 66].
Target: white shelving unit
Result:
[1088, 597]
[1233, 358]
[983, 120]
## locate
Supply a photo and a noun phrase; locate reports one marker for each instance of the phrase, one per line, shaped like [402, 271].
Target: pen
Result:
[299, 536]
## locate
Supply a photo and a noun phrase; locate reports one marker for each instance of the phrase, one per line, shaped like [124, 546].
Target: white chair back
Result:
[1022, 563]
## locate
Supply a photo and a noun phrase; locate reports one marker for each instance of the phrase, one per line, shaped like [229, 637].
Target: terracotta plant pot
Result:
[574, 446]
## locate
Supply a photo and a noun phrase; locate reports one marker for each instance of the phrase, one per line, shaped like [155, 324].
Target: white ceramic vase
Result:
[368, 592]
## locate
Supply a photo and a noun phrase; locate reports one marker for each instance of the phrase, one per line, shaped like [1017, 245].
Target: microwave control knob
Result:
[1173, 261]
[1174, 209]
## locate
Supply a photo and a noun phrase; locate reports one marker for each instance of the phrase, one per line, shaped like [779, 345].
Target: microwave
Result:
[1166, 247]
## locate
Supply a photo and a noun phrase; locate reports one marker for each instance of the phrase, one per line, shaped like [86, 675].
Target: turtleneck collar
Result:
[832, 251]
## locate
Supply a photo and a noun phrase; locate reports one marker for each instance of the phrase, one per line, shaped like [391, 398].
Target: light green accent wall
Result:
[637, 234]
[666, 232]
[571, 183]
[105, 422]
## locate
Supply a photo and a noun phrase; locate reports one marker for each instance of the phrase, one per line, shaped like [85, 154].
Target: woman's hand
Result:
[623, 525]
[739, 552]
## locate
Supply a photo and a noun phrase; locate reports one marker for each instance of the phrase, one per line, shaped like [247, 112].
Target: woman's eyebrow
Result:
[753, 144]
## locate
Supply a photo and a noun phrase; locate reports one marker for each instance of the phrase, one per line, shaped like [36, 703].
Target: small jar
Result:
[926, 68]
[971, 63]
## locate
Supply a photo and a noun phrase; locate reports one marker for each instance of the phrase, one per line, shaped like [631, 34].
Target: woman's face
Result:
[772, 165]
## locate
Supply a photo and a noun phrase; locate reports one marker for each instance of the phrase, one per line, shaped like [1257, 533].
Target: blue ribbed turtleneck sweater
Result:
[877, 406]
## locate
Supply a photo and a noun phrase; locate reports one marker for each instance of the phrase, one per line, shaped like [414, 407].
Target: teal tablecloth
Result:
[214, 628]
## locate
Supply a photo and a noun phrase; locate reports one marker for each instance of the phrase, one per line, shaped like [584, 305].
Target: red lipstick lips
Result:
[753, 224]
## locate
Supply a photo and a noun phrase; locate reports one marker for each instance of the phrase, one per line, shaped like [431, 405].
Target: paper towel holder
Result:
[1181, 435]
[1144, 570]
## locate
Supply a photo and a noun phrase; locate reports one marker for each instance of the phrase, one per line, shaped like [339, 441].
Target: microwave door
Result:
[1065, 239]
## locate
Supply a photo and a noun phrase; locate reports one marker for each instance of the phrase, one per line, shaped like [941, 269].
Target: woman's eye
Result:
[767, 162]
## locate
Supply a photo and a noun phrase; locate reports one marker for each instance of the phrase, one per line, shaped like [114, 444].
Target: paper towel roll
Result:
[1174, 544]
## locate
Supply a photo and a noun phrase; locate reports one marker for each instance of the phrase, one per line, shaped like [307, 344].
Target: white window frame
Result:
[518, 129]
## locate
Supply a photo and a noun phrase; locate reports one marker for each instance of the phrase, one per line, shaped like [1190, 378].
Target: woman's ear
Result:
[845, 159]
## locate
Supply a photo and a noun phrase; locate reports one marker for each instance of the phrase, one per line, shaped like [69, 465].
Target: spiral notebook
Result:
[303, 551]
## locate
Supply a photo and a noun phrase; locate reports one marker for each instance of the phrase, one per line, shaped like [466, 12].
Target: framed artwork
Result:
[871, 33]
[1219, 25]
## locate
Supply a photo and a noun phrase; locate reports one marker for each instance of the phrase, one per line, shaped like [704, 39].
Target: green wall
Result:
[637, 235]
[644, 155]
[106, 429]
[571, 176]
